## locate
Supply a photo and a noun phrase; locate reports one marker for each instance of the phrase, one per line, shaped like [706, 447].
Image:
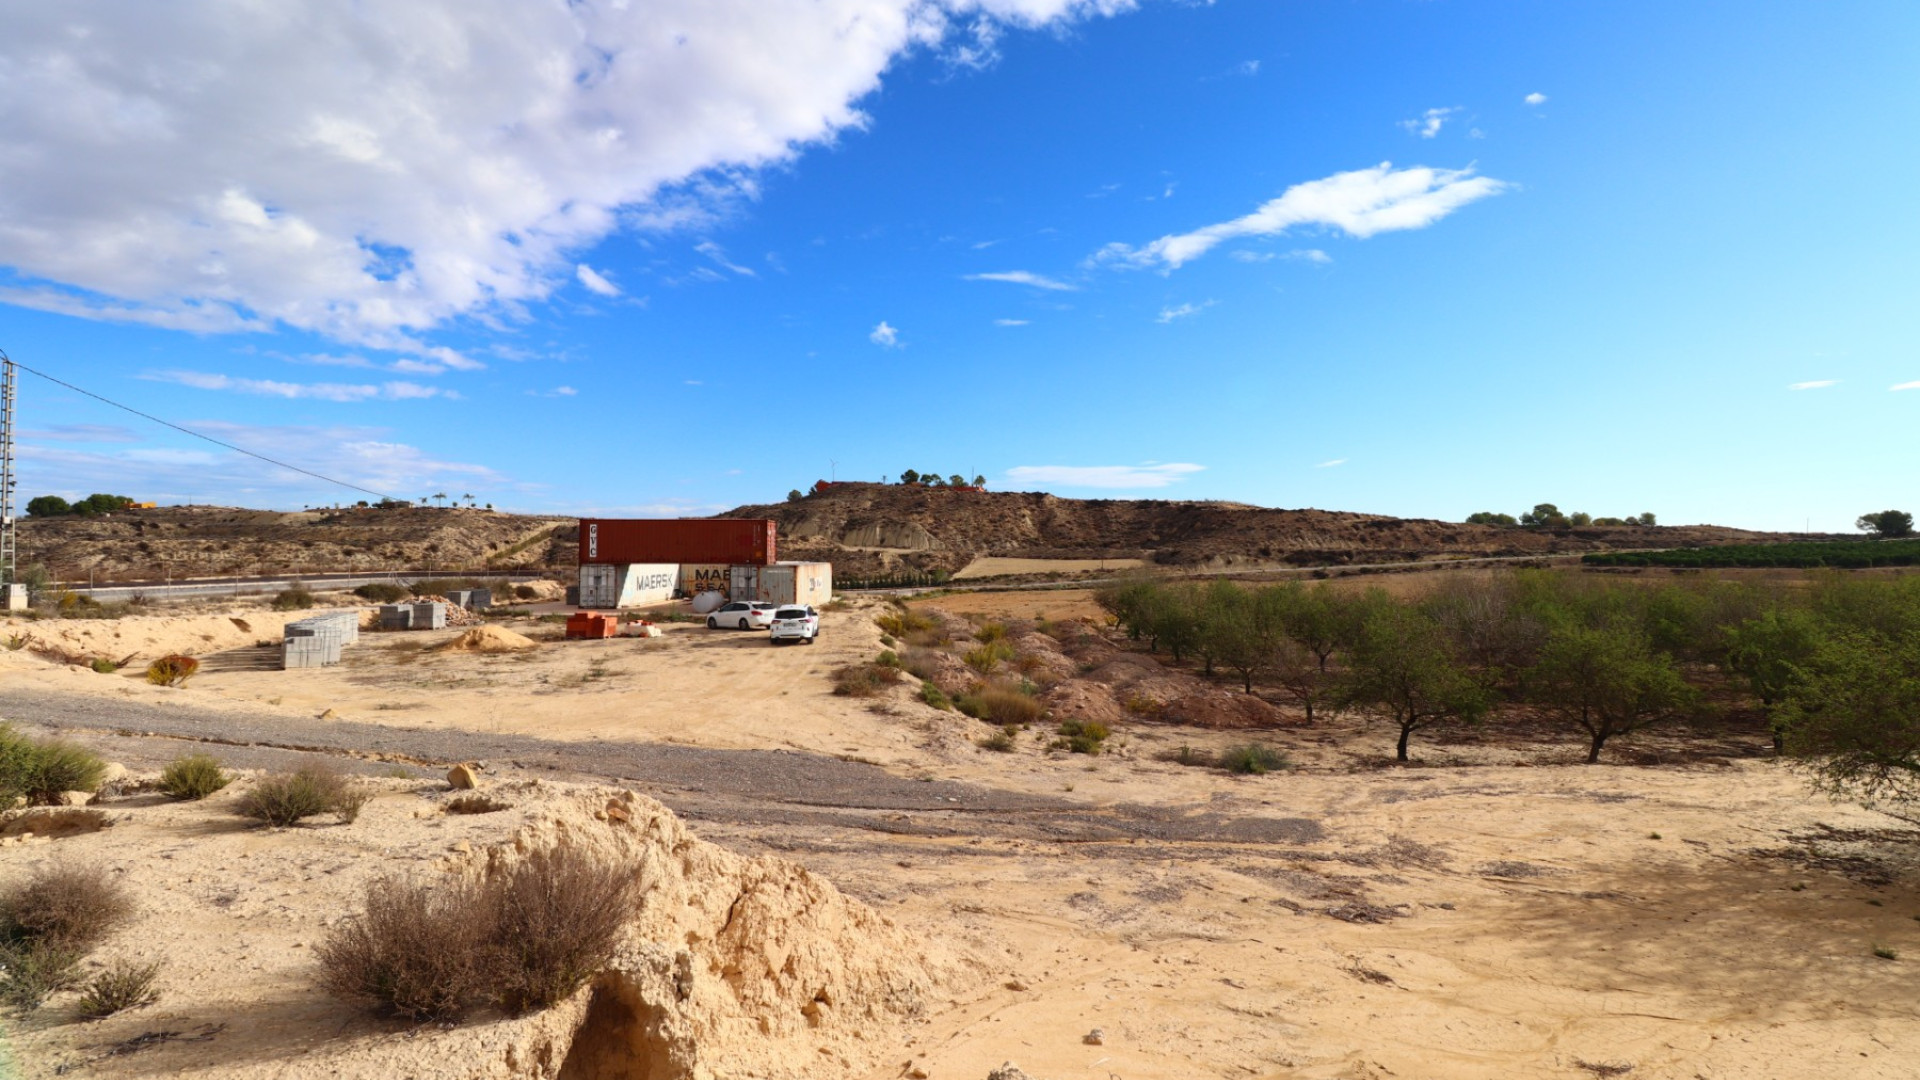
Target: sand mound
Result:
[489, 639]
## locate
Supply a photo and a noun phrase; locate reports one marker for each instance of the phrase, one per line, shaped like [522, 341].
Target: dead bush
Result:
[283, 799]
[906, 622]
[475, 803]
[123, 985]
[172, 670]
[413, 949]
[32, 970]
[57, 822]
[556, 919]
[195, 776]
[1000, 705]
[65, 905]
[864, 680]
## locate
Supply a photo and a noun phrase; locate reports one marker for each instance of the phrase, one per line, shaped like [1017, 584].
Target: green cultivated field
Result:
[1843, 554]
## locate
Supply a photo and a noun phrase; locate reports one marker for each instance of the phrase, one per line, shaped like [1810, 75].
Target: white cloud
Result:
[556, 392]
[1023, 277]
[94, 433]
[1102, 476]
[1535, 98]
[1429, 123]
[1813, 384]
[1905, 386]
[342, 392]
[595, 281]
[1169, 314]
[1361, 204]
[1331, 464]
[885, 336]
[1312, 255]
[370, 172]
[1010, 322]
[715, 252]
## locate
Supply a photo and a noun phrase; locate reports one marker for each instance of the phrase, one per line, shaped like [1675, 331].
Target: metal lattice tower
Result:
[8, 571]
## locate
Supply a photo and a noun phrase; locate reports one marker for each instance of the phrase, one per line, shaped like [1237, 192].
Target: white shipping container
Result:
[627, 584]
[783, 583]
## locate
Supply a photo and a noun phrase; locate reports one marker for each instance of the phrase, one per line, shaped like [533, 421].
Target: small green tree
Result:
[980, 481]
[1544, 516]
[909, 477]
[794, 495]
[1853, 714]
[1489, 517]
[1770, 650]
[1887, 524]
[1402, 668]
[1607, 681]
[1648, 519]
[48, 506]
[1580, 519]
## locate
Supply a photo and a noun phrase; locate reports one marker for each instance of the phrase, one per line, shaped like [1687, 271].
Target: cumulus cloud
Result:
[1361, 204]
[1010, 322]
[595, 281]
[343, 392]
[1101, 476]
[1023, 277]
[1535, 98]
[1428, 124]
[887, 337]
[1813, 384]
[1905, 386]
[370, 172]
[1183, 311]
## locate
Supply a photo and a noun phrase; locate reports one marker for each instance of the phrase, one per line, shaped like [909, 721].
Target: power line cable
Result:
[197, 435]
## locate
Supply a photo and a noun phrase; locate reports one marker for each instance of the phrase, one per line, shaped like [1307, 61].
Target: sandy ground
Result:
[996, 566]
[1492, 911]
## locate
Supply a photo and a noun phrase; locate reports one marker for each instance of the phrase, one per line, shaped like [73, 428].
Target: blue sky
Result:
[672, 256]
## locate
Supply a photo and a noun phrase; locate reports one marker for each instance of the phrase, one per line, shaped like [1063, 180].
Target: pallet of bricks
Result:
[426, 615]
[316, 640]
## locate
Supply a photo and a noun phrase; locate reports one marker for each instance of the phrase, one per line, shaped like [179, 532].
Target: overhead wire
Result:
[198, 435]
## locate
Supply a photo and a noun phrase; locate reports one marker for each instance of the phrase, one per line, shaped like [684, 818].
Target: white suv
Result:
[743, 615]
[795, 624]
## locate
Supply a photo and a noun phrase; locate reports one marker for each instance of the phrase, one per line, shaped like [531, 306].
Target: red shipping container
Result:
[734, 541]
[586, 624]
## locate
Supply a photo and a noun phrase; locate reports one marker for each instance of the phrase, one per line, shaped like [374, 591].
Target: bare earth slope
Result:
[201, 541]
[867, 528]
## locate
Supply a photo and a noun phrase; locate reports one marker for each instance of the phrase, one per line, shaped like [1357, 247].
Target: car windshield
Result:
[790, 613]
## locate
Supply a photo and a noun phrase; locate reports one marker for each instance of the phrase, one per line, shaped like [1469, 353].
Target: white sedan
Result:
[743, 615]
[795, 624]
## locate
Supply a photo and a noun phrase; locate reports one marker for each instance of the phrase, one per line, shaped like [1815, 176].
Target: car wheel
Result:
[713, 623]
[808, 639]
[743, 624]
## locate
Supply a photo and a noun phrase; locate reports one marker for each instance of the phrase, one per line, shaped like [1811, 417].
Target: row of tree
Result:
[45, 506]
[1835, 666]
[1548, 516]
[934, 480]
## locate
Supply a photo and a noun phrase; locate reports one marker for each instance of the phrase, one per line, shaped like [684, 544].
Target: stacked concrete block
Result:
[460, 598]
[396, 616]
[316, 641]
[430, 616]
[471, 599]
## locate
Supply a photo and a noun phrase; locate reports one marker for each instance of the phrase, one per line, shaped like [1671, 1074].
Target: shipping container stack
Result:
[626, 562]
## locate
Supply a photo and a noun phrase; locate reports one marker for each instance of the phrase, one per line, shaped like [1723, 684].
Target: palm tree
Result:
[440, 496]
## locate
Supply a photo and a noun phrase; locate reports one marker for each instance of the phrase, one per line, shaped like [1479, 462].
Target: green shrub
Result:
[283, 799]
[195, 776]
[1084, 736]
[934, 696]
[14, 642]
[1253, 759]
[294, 599]
[103, 665]
[906, 622]
[381, 592]
[32, 970]
[1000, 705]
[988, 633]
[888, 640]
[1002, 741]
[123, 985]
[520, 592]
[988, 656]
[172, 670]
[1188, 755]
[888, 658]
[44, 771]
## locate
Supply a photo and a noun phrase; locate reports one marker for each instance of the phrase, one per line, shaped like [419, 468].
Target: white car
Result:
[743, 615]
[795, 624]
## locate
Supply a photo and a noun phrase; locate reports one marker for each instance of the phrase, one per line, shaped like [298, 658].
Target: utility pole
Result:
[12, 593]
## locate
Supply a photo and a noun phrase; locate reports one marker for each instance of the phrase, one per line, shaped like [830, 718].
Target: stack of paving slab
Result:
[431, 615]
[316, 640]
[471, 599]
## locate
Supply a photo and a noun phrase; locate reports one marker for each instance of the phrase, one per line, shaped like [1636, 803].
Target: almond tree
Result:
[1607, 680]
[1403, 668]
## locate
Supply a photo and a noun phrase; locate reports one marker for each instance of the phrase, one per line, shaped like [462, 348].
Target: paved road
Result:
[120, 591]
[734, 787]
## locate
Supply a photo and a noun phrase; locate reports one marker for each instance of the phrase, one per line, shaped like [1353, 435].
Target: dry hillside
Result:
[876, 528]
[200, 541]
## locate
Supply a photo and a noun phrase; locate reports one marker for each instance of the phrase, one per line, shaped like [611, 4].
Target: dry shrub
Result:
[45, 771]
[414, 949]
[988, 633]
[31, 970]
[172, 670]
[286, 798]
[906, 622]
[1142, 705]
[989, 655]
[195, 776]
[524, 940]
[1000, 705]
[1082, 736]
[56, 823]
[1002, 741]
[864, 680]
[297, 598]
[1253, 759]
[65, 904]
[931, 693]
[381, 592]
[123, 985]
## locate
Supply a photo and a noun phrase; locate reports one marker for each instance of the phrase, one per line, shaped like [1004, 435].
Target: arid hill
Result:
[878, 528]
[202, 541]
